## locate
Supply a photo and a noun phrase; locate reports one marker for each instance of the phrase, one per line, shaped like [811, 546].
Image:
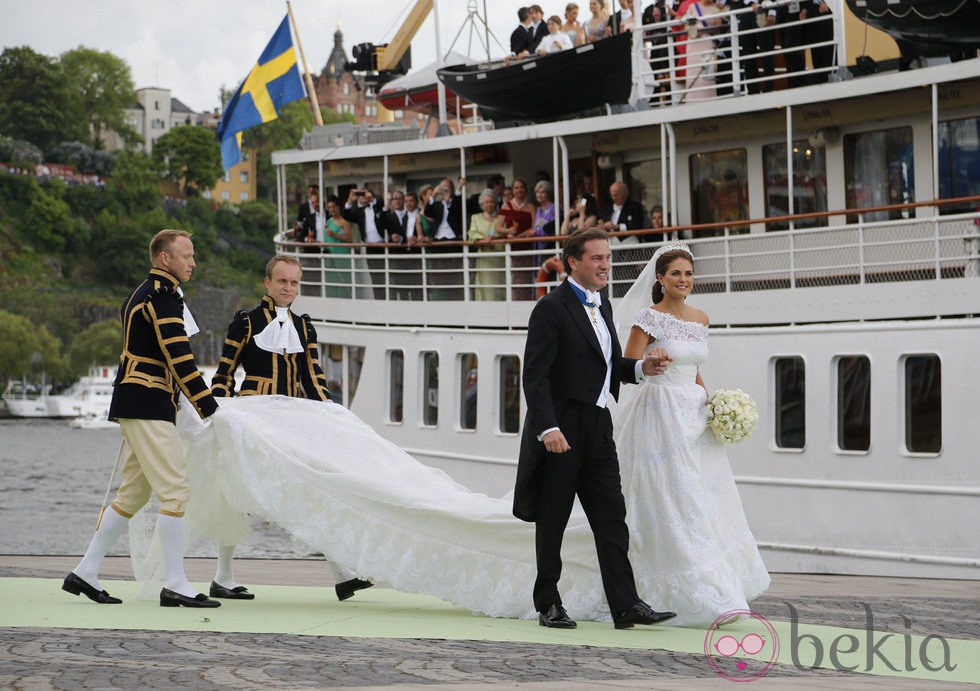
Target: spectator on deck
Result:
[556, 40]
[572, 26]
[489, 278]
[622, 213]
[582, 214]
[595, 28]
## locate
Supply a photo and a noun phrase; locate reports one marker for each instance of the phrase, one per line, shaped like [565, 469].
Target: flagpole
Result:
[310, 91]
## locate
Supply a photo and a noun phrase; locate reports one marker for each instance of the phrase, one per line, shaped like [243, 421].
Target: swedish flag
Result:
[272, 83]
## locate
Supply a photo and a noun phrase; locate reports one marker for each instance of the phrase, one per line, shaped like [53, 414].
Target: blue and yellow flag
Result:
[272, 83]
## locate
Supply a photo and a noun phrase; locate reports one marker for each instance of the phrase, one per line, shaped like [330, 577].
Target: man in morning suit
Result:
[369, 215]
[622, 213]
[155, 367]
[278, 351]
[445, 208]
[573, 365]
[520, 38]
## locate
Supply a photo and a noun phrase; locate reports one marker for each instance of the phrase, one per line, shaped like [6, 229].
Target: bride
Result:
[691, 546]
[326, 477]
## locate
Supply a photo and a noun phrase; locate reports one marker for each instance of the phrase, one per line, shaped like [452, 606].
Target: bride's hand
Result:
[656, 362]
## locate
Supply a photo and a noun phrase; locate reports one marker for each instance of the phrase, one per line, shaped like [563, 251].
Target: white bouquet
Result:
[732, 415]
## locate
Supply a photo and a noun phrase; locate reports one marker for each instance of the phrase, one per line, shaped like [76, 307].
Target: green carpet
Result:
[385, 613]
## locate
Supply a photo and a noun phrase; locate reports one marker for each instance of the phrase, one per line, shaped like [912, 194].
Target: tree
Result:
[25, 346]
[101, 90]
[284, 133]
[134, 183]
[49, 222]
[189, 156]
[34, 99]
[98, 344]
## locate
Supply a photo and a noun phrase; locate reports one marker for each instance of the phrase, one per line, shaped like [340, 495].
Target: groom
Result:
[573, 365]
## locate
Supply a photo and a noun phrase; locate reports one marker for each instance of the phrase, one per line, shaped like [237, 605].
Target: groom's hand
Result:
[554, 441]
[656, 362]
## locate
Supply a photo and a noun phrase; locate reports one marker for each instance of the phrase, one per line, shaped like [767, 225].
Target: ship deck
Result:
[296, 634]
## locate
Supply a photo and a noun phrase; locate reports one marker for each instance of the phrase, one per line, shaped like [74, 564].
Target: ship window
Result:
[396, 385]
[923, 403]
[509, 421]
[430, 388]
[959, 162]
[355, 359]
[467, 390]
[853, 403]
[790, 403]
[809, 183]
[878, 171]
[720, 189]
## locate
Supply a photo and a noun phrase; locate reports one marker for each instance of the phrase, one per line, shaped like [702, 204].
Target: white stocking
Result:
[171, 529]
[225, 575]
[112, 525]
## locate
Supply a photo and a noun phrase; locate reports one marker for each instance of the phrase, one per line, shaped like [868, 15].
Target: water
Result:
[52, 485]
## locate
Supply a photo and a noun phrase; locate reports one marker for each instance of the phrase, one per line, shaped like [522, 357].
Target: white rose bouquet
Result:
[732, 415]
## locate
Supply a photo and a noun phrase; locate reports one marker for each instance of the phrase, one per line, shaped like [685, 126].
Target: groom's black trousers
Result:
[591, 470]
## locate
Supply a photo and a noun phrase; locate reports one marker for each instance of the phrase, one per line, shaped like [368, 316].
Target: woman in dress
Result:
[691, 547]
[572, 26]
[489, 278]
[583, 213]
[518, 220]
[337, 230]
[595, 28]
[424, 228]
[700, 49]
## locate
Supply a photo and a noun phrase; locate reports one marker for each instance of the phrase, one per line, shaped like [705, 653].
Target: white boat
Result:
[89, 397]
[848, 311]
[26, 400]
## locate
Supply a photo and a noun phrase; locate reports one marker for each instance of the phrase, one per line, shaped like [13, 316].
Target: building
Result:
[238, 183]
[154, 114]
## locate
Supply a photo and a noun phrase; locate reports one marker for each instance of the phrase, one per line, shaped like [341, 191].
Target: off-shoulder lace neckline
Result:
[676, 319]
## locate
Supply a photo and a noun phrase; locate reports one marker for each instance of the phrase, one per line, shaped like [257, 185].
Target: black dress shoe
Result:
[348, 588]
[237, 593]
[640, 613]
[76, 586]
[169, 598]
[556, 618]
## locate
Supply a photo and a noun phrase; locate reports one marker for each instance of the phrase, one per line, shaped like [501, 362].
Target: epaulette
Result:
[241, 314]
[162, 291]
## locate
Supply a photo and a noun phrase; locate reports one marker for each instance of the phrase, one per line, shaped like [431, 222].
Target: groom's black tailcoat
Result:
[564, 372]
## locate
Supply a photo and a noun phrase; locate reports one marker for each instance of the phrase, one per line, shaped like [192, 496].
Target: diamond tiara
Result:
[669, 246]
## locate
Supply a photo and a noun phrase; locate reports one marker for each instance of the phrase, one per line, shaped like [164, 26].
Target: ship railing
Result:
[849, 250]
[666, 71]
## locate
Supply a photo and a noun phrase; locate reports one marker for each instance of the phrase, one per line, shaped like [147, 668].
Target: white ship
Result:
[26, 400]
[837, 245]
[87, 399]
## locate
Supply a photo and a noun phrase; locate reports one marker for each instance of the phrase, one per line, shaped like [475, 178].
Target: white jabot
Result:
[190, 326]
[280, 335]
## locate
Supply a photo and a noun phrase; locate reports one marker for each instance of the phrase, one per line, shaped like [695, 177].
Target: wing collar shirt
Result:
[190, 326]
[371, 233]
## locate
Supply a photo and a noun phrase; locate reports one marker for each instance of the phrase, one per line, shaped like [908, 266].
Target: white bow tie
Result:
[190, 326]
[594, 298]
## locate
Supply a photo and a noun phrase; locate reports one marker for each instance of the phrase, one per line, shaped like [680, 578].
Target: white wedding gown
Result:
[319, 472]
[690, 545]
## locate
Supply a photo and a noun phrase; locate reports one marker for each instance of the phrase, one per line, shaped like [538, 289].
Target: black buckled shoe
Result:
[347, 589]
[237, 593]
[76, 586]
[640, 613]
[169, 598]
[556, 618]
